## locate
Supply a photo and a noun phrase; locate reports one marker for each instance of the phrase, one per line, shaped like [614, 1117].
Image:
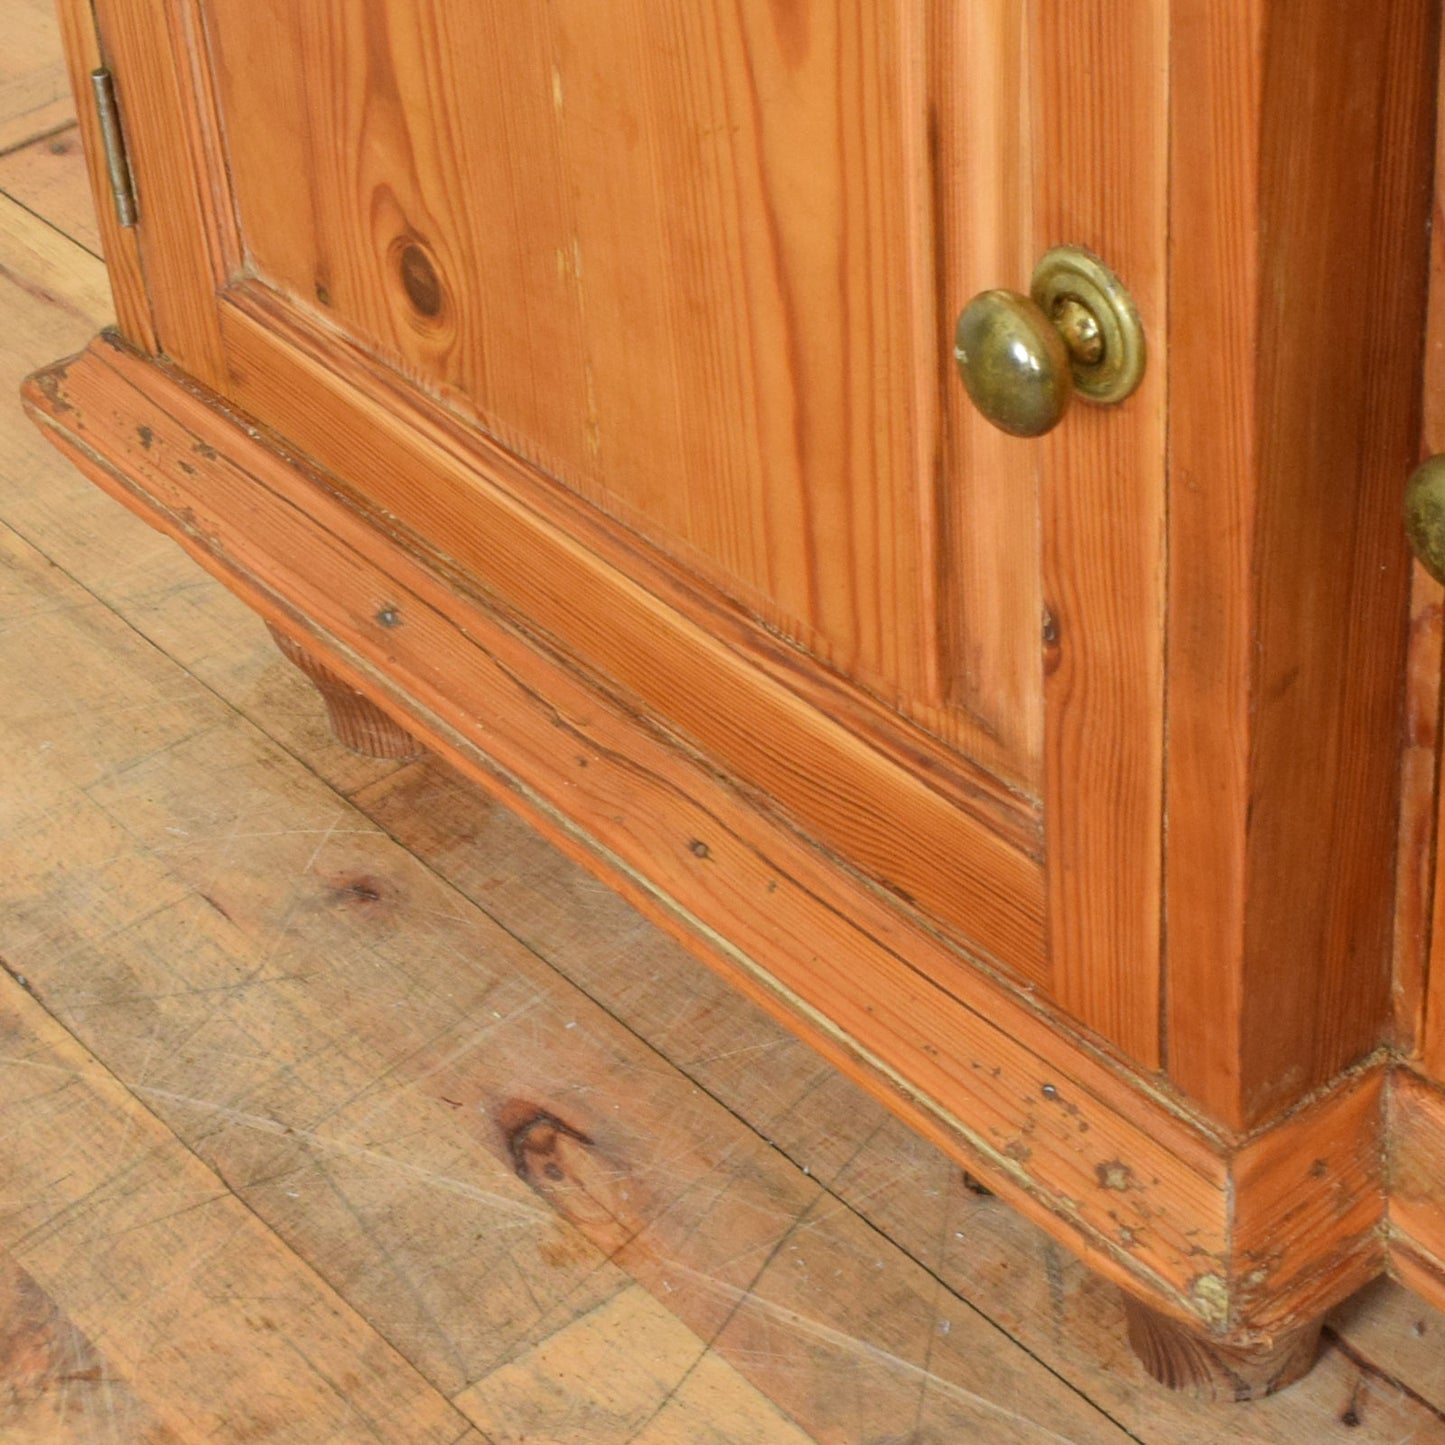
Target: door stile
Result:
[1101, 98]
[178, 234]
[119, 243]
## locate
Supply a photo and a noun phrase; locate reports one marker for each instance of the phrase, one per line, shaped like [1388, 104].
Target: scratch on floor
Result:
[521, 1211]
[808, 1327]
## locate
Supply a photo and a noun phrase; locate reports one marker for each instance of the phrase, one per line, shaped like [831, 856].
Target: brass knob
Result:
[1425, 515]
[1014, 363]
[1023, 357]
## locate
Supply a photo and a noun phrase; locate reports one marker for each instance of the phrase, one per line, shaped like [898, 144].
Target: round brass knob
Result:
[1425, 515]
[1014, 363]
[1023, 357]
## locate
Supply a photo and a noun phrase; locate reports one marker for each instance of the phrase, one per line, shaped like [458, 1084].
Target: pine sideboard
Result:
[574, 388]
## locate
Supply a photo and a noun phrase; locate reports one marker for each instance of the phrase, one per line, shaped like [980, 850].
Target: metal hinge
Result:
[117, 162]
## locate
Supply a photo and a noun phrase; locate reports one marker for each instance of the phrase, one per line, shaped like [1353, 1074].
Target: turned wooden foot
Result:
[357, 721]
[1188, 1360]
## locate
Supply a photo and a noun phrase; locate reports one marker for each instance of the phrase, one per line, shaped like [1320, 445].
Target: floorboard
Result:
[41, 176]
[34, 92]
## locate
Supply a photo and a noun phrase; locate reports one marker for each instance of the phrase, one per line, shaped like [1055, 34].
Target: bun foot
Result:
[356, 721]
[1190, 1361]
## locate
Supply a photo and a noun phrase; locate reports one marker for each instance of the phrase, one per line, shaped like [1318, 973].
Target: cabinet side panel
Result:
[1298, 272]
[1345, 186]
[1420, 912]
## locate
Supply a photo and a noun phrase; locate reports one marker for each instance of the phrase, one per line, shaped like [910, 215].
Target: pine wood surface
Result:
[1268, 181]
[1103, 680]
[1122, 1174]
[1417, 902]
[952, 844]
[143, 46]
[1420, 961]
[874, 993]
[34, 96]
[1288, 573]
[670, 325]
[300, 972]
[80, 45]
[1104, 185]
[357, 721]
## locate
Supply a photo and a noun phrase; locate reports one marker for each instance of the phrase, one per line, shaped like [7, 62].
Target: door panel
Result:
[681, 256]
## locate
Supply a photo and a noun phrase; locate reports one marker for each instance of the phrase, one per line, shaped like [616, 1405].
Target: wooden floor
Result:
[335, 1106]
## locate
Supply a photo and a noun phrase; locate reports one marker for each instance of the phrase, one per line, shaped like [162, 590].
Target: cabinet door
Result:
[640, 315]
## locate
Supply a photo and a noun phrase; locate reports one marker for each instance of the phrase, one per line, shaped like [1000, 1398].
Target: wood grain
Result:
[651, 817]
[342, 935]
[474, 1154]
[180, 233]
[982, 1251]
[1277, 899]
[1331, 643]
[628, 1371]
[739, 294]
[990, 595]
[40, 177]
[943, 842]
[1169, 1219]
[1390, 1330]
[357, 721]
[1288, 574]
[180, 1247]
[1420, 1006]
[1100, 96]
[1415, 908]
[1216, 75]
[789, 473]
[1183, 1360]
[941, 606]
[34, 97]
[57, 1389]
[349, 946]
[1318, 1180]
[1058, 1311]
[1417, 1167]
[120, 245]
[44, 269]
